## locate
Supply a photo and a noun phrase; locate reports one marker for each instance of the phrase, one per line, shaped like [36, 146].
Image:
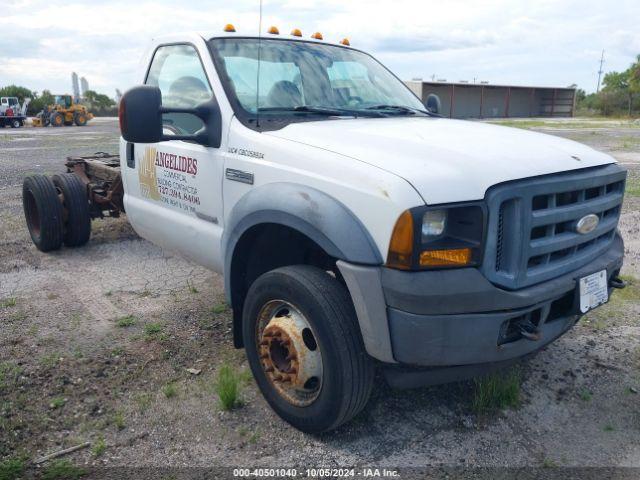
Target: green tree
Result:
[39, 102]
[17, 91]
[98, 100]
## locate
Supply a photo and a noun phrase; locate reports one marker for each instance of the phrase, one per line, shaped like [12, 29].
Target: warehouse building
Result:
[483, 100]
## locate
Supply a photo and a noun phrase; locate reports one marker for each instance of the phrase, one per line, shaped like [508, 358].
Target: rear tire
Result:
[347, 371]
[16, 123]
[57, 119]
[43, 212]
[77, 227]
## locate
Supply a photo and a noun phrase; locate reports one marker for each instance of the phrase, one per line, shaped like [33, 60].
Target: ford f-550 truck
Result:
[355, 227]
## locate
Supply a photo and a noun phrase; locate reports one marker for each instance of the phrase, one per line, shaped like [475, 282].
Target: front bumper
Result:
[457, 317]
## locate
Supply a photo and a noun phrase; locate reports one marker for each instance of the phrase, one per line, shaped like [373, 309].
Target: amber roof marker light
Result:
[273, 31]
[229, 28]
[296, 32]
[317, 36]
[345, 41]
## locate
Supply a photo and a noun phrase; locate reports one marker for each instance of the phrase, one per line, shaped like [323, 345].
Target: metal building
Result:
[483, 100]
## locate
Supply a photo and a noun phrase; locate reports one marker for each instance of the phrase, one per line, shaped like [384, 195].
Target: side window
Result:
[178, 72]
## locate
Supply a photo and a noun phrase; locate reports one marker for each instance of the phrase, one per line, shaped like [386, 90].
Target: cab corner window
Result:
[178, 72]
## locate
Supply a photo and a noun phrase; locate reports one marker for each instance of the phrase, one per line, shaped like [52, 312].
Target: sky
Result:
[536, 42]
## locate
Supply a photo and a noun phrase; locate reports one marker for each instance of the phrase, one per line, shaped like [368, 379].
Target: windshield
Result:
[299, 80]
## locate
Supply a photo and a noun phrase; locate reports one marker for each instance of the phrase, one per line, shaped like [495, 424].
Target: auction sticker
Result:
[593, 291]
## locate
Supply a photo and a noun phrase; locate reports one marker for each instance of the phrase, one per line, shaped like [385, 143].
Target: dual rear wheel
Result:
[56, 210]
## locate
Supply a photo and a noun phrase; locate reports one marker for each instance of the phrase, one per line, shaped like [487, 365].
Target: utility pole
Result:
[600, 71]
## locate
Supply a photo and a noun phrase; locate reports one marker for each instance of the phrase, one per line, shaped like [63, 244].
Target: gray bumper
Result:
[457, 317]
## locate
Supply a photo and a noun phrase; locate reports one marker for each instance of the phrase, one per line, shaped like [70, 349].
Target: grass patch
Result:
[62, 469]
[497, 391]
[227, 387]
[632, 188]
[192, 288]
[9, 374]
[170, 390]
[8, 302]
[219, 308]
[143, 400]
[586, 395]
[608, 428]
[127, 321]
[548, 463]
[98, 447]
[50, 360]
[153, 329]
[57, 402]
[11, 468]
[119, 421]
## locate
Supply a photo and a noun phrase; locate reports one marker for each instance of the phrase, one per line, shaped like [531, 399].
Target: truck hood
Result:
[445, 160]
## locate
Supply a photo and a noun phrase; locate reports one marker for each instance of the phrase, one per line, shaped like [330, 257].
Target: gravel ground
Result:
[69, 373]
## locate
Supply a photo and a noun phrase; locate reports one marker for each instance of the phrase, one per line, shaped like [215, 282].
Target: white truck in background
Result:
[355, 228]
[12, 113]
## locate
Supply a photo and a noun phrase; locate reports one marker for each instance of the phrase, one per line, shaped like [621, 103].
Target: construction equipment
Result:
[64, 111]
[12, 113]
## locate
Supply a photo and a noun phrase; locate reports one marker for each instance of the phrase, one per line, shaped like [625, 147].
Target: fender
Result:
[320, 217]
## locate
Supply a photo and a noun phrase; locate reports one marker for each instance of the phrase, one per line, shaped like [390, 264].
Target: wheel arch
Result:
[321, 230]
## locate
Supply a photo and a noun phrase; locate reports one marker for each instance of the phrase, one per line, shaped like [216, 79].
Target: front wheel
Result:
[305, 349]
[16, 123]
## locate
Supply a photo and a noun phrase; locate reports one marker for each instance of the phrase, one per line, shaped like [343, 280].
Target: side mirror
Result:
[140, 115]
[433, 104]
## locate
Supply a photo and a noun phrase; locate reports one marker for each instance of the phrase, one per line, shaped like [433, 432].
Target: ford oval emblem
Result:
[587, 224]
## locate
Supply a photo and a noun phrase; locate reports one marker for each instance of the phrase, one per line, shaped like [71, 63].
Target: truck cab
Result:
[354, 226]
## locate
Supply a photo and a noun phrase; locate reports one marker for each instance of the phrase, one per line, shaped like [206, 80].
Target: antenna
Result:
[258, 79]
[599, 71]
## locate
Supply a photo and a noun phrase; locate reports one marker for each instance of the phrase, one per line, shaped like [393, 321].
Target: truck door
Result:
[173, 189]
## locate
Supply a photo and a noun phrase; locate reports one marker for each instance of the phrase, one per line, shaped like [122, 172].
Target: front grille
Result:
[532, 233]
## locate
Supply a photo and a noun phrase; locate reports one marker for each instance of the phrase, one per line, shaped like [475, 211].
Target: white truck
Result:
[12, 113]
[355, 228]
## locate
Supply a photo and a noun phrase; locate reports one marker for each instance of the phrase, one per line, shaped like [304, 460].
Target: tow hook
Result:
[617, 282]
[528, 330]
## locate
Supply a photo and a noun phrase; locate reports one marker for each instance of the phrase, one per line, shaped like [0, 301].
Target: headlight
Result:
[442, 237]
[433, 223]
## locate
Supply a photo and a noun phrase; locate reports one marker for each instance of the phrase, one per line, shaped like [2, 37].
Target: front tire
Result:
[57, 119]
[305, 349]
[16, 124]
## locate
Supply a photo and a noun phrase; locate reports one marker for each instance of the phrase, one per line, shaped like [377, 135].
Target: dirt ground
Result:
[71, 370]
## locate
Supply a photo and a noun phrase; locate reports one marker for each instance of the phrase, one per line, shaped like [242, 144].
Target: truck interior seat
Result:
[284, 94]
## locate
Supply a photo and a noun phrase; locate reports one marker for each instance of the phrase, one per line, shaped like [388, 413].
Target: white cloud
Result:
[543, 42]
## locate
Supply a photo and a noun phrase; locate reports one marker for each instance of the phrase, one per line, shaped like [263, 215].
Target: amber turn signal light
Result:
[401, 245]
[446, 258]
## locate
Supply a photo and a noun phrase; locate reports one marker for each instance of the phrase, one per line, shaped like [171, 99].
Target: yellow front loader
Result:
[63, 112]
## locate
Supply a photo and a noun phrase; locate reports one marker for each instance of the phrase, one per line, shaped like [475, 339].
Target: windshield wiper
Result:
[399, 108]
[331, 111]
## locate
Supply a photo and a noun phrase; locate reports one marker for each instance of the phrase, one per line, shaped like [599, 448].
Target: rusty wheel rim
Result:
[289, 353]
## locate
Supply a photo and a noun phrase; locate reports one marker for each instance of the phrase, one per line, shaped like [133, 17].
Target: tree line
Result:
[97, 103]
[619, 95]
